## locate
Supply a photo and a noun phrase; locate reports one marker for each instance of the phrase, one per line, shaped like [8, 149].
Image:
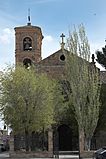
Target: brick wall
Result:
[35, 34]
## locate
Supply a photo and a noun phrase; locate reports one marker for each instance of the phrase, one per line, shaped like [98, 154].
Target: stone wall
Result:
[32, 154]
[87, 154]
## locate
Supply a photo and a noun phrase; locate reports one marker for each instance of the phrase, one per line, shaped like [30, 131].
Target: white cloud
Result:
[4, 39]
[8, 31]
[48, 38]
[6, 47]
[96, 46]
[6, 35]
[49, 45]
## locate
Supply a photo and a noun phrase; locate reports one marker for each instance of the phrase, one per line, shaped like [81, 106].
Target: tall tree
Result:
[26, 101]
[84, 81]
[101, 57]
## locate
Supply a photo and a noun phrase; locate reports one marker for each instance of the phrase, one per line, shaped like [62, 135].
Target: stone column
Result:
[11, 144]
[50, 140]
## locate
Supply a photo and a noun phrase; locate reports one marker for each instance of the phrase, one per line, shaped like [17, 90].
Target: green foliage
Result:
[26, 100]
[84, 81]
[60, 104]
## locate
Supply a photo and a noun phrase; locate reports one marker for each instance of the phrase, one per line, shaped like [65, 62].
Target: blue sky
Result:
[54, 17]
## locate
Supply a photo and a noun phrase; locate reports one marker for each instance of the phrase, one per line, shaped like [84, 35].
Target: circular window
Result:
[62, 58]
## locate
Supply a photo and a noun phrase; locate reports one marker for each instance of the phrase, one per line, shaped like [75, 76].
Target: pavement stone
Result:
[5, 155]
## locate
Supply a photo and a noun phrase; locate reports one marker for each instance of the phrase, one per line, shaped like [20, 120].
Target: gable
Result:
[54, 64]
[57, 58]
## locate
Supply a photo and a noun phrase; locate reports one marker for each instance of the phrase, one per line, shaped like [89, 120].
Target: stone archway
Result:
[65, 138]
[27, 62]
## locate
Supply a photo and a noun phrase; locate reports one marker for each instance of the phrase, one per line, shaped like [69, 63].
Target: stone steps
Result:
[68, 152]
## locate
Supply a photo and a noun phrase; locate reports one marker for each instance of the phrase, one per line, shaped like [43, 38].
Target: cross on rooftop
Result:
[93, 59]
[29, 19]
[62, 36]
[62, 43]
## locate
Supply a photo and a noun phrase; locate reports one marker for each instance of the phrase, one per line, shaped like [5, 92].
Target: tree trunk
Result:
[32, 146]
[43, 140]
[87, 144]
[26, 140]
[81, 140]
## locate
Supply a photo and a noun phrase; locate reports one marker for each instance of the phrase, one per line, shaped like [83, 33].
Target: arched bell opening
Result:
[27, 63]
[27, 44]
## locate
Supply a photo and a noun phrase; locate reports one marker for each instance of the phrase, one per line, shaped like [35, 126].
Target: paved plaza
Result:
[5, 155]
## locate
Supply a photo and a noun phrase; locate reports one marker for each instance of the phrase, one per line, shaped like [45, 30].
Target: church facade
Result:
[28, 46]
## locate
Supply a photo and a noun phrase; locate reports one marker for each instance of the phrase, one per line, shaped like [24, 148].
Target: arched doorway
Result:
[65, 138]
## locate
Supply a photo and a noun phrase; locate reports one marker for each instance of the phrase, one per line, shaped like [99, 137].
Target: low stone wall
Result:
[44, 154]
[87, 154]
[38, 154]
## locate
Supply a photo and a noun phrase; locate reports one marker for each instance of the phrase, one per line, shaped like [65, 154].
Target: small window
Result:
[27, 44]
[62, 58]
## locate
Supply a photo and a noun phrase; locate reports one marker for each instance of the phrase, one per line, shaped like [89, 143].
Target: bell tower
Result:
[28, 42]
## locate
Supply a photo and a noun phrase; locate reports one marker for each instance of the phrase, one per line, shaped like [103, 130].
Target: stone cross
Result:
[62, 36]
[62, 43]
[93, 59]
